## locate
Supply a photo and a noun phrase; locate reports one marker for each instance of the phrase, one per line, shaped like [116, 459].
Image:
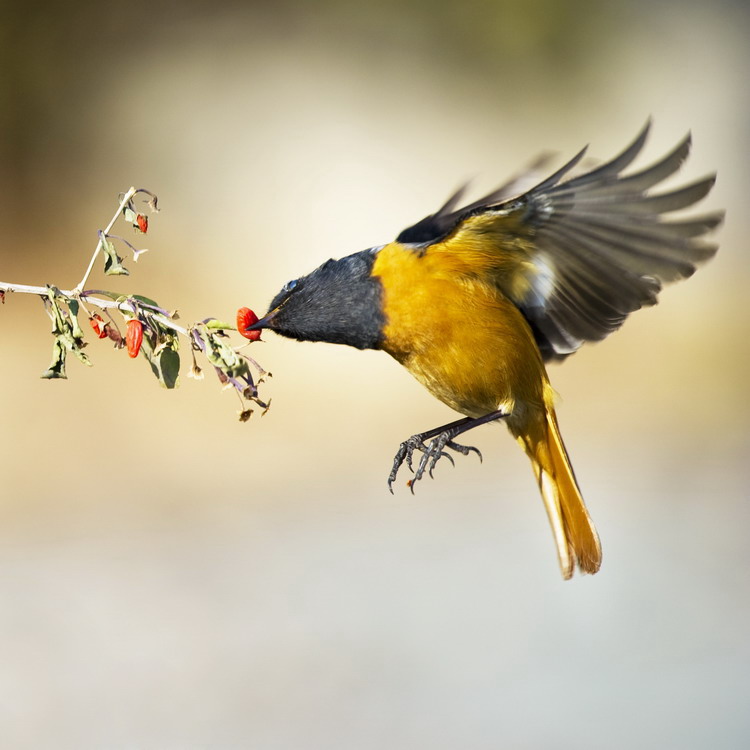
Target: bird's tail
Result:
[575, 535]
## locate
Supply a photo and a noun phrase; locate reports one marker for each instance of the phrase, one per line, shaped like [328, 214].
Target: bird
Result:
[475, 300]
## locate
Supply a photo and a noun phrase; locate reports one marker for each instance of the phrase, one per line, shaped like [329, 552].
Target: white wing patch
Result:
[542, 283]
[541, 289]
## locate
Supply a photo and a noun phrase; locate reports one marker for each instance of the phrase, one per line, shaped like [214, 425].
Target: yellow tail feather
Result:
[575, 535]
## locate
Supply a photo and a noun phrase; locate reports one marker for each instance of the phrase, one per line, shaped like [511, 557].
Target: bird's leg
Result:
[439, 439]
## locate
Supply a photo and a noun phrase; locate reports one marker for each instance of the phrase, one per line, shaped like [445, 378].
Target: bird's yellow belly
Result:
[465, 342]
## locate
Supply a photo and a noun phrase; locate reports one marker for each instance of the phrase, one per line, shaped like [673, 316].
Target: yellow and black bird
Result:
[474, 300]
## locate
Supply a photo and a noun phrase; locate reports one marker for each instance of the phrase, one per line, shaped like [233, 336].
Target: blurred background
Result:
[171, 578]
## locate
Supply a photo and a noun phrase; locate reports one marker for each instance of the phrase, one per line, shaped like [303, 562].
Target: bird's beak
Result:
[264, 322]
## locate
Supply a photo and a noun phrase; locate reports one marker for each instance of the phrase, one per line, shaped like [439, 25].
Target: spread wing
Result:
[577, 256]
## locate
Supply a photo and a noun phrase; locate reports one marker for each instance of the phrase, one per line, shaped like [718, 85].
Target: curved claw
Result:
[405, 455]
[398, 459]
[436, 458]
[465, 449]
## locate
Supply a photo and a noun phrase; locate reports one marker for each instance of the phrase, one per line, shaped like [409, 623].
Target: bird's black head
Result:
[339, 302]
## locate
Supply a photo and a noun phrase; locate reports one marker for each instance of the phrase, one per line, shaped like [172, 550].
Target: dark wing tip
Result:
[553, 179]
[683, 197]
[614, 166]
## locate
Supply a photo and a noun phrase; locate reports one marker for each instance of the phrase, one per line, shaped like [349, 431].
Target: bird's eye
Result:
[289, 285]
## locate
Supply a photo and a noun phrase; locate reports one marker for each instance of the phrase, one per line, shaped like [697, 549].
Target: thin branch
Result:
[103, 304]
[102, 236]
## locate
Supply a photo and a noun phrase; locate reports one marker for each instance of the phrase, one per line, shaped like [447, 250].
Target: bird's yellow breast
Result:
[448, 324]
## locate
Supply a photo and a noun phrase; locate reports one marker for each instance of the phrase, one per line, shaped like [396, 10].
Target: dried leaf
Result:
[152, 202]
[66, 330]
[73, 307]
[160, 347]
[112, 261]
[195, 371]
[57, 366]
[223, 356]
[114, 335]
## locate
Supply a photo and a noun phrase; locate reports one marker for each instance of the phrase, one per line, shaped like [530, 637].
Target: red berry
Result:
[99, 326]
[246, 317]
[134, 337]
[142, 222]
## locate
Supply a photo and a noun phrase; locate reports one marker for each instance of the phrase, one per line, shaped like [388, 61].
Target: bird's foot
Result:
[431, 452]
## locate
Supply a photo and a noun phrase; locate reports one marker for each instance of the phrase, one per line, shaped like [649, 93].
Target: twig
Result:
[102, 236]
[102, 304]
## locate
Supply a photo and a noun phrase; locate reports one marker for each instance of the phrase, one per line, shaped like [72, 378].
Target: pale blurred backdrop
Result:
[170, 578]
